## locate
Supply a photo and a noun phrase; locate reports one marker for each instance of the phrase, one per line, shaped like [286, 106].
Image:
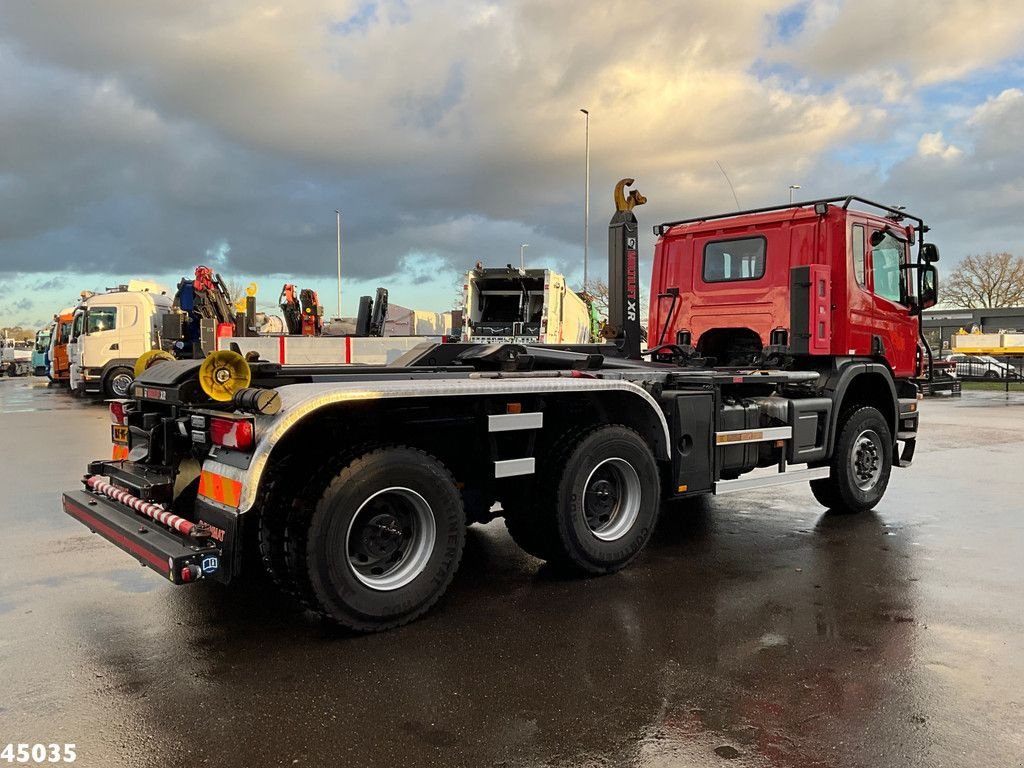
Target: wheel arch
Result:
[864, 384]
[118, 362]
[303, 418]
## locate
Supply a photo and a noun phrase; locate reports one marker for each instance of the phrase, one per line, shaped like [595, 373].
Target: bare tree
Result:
[985, 281]
[598, 292]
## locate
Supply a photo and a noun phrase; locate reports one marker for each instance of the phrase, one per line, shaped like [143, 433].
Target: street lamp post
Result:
[522, 259]
[791, 188]
[338, 214]
[586, 205]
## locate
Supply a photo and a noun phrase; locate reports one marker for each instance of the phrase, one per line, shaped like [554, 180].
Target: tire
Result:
[528, 511]
[605, 500]
[861, 463]
[533, 539]
[289, 490]
[384, 540]
[118, 381]
[990, 374]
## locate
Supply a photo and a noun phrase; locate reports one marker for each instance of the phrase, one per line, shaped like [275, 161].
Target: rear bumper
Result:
[179, 559]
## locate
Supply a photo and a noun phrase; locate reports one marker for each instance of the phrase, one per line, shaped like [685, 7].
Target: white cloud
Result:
[934, 145]
[931, 40]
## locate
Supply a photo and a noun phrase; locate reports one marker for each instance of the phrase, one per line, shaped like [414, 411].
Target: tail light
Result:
[118, 412]
[232, 433]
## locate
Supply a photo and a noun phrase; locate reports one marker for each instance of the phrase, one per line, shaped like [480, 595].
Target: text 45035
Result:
[38, 753]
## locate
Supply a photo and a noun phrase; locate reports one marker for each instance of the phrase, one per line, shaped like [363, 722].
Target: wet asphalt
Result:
[755, 631]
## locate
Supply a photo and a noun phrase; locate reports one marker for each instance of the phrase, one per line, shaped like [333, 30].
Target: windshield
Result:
[42, 341]
[78, 324]
[101, 319]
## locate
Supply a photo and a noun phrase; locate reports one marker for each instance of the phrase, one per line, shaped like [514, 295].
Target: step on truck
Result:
[785, 347]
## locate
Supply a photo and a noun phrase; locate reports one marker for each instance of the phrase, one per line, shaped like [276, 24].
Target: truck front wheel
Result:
[118, 382]
[385, 539]
[861, 464]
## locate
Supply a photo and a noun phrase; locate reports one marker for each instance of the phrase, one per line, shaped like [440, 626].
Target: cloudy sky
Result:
[139, 138]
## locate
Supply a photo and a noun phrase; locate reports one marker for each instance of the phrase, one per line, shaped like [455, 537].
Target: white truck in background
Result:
[525, 306]
[14, 361]
[109, 332]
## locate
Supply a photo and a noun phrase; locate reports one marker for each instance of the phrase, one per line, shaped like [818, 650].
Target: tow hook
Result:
[200, 531]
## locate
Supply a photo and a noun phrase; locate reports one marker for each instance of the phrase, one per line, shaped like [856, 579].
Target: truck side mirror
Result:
[928, 295]
[929, 253]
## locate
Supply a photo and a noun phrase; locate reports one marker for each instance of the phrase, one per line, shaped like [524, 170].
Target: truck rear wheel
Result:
[385, 539]
[602, 503]
[861, 464]
[529, 534]
[528, 518]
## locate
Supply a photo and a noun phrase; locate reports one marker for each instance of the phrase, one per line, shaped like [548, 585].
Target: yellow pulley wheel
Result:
[149, 359]
[224, 373]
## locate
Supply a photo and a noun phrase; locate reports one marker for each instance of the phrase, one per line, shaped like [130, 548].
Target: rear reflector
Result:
[117, 414]
[220, 488]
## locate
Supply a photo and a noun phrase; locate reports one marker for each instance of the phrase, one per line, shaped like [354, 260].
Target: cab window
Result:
[886, 275]
[101, 319]
[858, 254]
[728, 260]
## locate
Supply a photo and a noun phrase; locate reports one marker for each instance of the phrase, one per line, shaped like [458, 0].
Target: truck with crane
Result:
[786, 352]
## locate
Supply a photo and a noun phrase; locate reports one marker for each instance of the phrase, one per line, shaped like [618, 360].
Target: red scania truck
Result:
[785, 343]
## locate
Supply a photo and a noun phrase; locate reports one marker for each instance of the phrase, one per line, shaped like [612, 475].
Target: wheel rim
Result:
[866, 459]
[611, 499]
[120, 383]
[390, 539]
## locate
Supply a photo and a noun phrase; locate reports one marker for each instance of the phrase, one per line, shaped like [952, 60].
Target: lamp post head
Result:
[585, 112]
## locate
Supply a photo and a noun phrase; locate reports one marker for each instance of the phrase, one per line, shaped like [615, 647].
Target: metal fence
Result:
[1007, 370]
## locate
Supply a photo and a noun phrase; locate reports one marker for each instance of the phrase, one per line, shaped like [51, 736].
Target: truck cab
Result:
[59, 365]
[41, 351]
[109, 332]
[815, 280]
